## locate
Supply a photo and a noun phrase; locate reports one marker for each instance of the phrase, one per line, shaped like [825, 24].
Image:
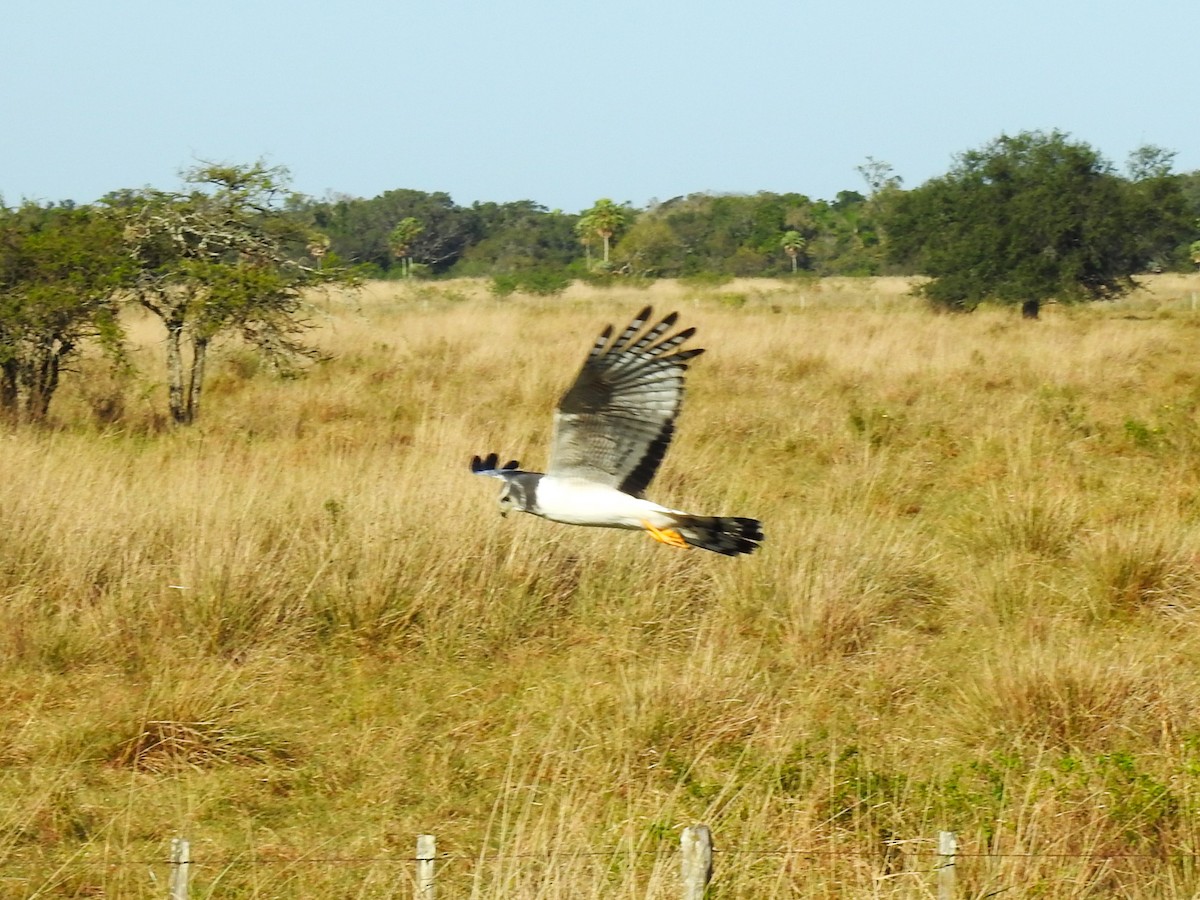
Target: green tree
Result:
[1026, 218]
[318, 248]
[585, 234]
[1159, 207]
[520, 236]
[792, 243]
[651, 249]
[1149, 161]
[360, 230]
[401, 238]
[879, 175]
[845, 238]
[718, 234]
[605, 219]
[222, 258]
[61, 268]
[884, 187]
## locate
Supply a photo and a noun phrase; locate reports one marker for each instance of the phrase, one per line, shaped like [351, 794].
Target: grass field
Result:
[299, 633]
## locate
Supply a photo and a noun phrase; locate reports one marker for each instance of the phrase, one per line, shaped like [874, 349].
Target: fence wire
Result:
[558, 855]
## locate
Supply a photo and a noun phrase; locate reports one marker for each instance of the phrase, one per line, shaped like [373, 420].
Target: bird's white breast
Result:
[575, 501]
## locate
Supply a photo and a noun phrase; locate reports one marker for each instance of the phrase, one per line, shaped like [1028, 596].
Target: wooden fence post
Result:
[426, 853]
[697, 864]
[181, 861]
[947, 850]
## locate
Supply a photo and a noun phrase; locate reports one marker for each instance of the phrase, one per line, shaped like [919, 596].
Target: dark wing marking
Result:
[615, 423]
[489, 465]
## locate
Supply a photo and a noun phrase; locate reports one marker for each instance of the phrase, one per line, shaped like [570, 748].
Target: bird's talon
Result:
[668, 536]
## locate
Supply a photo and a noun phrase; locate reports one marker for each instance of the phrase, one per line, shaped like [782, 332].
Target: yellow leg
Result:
[668, 536]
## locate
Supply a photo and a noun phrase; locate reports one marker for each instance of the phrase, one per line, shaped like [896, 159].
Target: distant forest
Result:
[763, 234]
[724, 234]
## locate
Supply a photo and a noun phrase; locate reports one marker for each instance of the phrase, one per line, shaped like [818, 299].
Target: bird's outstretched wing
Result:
[616, 421]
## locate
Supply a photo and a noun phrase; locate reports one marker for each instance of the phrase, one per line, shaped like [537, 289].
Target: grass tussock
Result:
[299, 634]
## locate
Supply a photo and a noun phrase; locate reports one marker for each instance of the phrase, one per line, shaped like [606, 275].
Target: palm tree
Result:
[585, 232]
[400, 240]
[792, 242]
[605, 219]
[318, 246]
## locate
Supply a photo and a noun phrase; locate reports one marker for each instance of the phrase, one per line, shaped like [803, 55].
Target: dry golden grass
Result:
[299, 633]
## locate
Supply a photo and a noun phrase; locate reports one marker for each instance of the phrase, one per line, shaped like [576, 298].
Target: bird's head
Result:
[519, 487]
[513, 497]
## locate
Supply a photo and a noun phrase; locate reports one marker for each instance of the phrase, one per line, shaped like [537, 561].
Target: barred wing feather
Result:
[615, 423]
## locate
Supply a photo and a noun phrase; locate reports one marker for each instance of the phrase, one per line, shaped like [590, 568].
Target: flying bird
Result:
[611, 430]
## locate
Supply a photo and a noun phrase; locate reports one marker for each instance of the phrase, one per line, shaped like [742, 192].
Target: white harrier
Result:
[611, 430]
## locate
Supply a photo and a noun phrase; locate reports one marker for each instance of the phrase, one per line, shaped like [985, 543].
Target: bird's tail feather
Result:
[730, 535]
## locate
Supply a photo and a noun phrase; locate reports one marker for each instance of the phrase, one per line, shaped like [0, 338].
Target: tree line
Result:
[1036, 180]
[696, 234]
[1022, 219]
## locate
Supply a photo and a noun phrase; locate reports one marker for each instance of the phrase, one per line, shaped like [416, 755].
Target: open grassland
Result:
[299, 633]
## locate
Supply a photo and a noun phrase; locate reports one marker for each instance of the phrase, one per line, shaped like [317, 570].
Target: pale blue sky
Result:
[563, 102]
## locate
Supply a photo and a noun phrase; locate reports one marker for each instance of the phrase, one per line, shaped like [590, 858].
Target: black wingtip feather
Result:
[491, 463]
